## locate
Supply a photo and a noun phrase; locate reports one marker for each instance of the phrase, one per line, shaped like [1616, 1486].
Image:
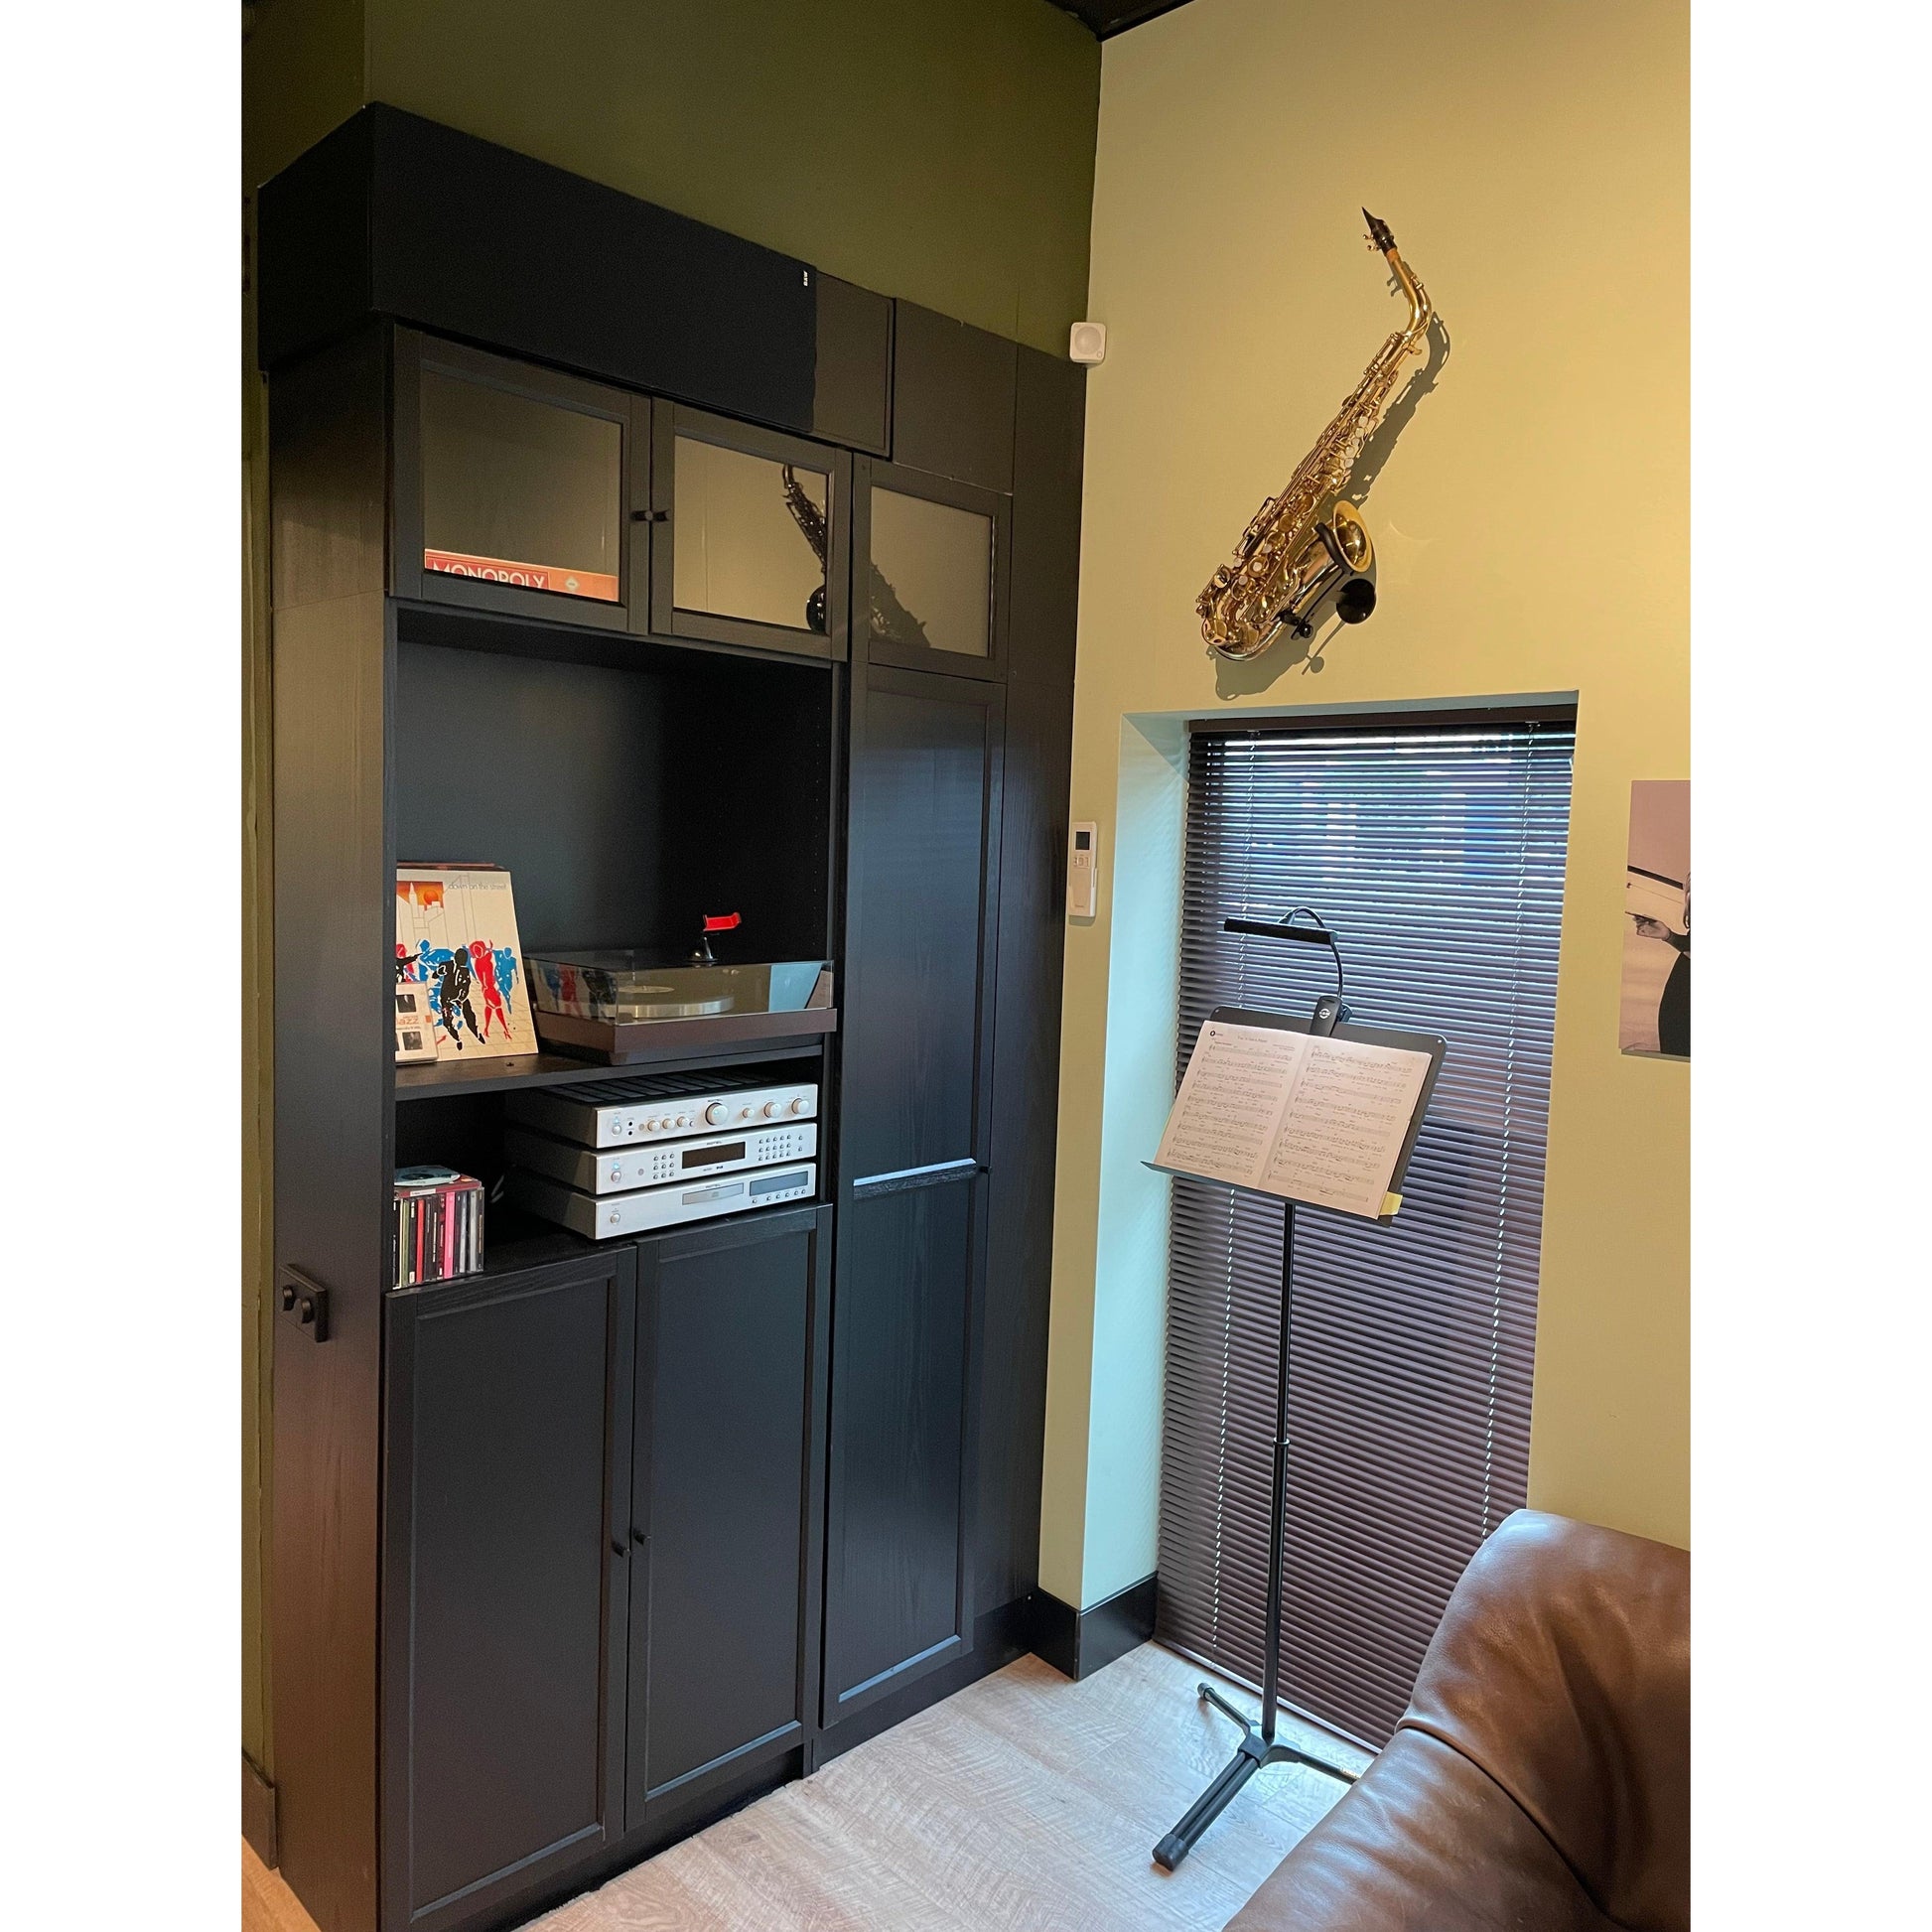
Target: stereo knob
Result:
[769, 1108]
[716, 1113]
[798, 1106]
[745, 1113]
[685, 1120]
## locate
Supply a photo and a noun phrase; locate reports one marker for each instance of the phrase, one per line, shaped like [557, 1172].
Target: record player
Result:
[617, 1002]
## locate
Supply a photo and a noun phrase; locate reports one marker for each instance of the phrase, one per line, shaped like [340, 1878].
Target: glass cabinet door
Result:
[934, 557]
[521, 492]
[751, 535]
[512, 485]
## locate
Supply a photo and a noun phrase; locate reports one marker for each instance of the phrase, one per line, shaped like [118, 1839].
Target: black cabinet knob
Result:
[618, 1547]
[638, 1538]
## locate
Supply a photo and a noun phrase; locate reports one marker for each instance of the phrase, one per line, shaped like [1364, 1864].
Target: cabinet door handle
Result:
[619, 1547]
[303, 1298]
[640, 1538]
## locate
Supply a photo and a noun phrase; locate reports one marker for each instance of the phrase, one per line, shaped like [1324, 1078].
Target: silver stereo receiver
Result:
[617, 1170]
[604, 1217]
[660, 1108]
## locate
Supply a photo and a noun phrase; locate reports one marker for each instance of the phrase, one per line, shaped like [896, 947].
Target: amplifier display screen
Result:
[709, 1157]
[776, 1183]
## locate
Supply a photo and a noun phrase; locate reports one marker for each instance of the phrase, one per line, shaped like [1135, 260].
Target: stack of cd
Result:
[651, 1153]
[439, 1227]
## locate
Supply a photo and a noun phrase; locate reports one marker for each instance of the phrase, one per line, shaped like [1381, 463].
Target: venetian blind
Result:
[1435, 853]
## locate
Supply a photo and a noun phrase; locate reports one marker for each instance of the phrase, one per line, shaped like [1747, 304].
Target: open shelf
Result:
[509, 1072]
[512, 1242]
[515, 1242]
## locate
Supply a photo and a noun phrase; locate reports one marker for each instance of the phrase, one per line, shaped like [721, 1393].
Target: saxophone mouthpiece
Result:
[1379, 233]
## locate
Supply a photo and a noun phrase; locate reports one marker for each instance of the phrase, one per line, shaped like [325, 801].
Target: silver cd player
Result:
[625, 1112]
[616, 1170]
[603, 1217]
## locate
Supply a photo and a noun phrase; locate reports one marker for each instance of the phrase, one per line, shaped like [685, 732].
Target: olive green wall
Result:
[940, 150]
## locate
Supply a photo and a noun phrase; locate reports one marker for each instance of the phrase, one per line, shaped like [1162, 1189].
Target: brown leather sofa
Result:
[1541, 1777]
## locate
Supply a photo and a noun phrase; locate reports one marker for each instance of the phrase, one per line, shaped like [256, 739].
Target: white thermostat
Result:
[1082, 870]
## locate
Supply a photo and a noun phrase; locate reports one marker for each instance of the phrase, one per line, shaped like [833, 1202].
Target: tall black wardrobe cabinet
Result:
[573, 1555]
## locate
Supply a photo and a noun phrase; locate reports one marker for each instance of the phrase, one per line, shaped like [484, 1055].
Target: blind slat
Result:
[1437, 853]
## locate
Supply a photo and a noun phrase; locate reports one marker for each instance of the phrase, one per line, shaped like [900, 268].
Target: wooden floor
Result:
[267, 1905]
[1024, 1804]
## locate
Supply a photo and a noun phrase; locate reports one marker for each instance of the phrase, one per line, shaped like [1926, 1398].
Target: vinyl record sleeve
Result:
[456, 941]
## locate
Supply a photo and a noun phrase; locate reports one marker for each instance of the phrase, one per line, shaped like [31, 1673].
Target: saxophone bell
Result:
[1352, 544]
[1341, 551]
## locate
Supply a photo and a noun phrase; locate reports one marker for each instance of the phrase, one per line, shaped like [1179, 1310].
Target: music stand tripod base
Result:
[1255, 1752]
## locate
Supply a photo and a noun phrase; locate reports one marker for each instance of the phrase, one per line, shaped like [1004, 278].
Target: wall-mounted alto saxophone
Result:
[1308, 540]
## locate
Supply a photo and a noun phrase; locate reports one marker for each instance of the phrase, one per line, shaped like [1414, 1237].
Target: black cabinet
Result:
[506, 1577]
[603, 1581]
[726, 1488]
[573, 1556]
[922, 907]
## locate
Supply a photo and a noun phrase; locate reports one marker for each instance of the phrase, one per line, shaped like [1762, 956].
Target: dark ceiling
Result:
[1110, 17]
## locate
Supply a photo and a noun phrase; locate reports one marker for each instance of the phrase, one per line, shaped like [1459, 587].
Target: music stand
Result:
[1259, 1747]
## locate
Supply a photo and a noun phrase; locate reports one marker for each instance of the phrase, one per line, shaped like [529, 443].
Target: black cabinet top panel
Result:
[1110, 17]
[952, 397]
[399, 216]
[853, 402]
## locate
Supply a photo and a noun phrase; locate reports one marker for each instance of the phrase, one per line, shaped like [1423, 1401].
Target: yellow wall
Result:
[1532, 528]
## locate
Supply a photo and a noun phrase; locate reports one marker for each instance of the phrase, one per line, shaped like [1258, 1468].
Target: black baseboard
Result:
[258, 1812]
[1080, 1642]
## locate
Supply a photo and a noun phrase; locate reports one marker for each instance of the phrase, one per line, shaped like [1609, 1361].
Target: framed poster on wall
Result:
[1655, 1016]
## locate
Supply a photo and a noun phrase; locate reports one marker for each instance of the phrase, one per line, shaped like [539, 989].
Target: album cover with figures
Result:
[457, 948]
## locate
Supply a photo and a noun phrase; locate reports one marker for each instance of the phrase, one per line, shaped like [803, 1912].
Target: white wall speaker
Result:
[1088, 342]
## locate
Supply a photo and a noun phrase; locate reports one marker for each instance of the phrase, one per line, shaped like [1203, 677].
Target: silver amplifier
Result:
[603, 1217]
[661, 1109]
[616, 1170]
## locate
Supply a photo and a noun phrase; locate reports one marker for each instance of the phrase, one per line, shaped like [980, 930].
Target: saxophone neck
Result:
[1421, 314]
[1382, 239]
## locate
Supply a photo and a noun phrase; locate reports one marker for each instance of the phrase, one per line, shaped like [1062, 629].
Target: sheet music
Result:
[1310, 1119]
[1229, 1107]
[1342, 1129]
